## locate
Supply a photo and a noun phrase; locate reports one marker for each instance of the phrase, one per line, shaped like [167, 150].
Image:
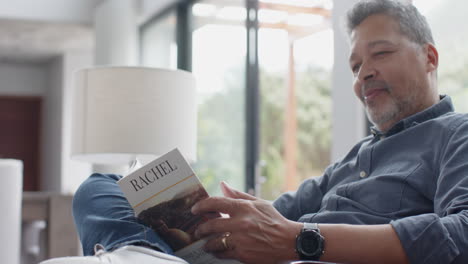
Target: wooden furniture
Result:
[56, 211]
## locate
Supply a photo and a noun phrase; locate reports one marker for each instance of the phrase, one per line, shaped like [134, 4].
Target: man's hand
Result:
[257, 233]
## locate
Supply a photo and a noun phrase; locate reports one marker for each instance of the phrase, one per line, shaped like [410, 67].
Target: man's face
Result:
[390, 71]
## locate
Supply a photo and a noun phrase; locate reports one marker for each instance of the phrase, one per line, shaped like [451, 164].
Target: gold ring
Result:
[224, 240]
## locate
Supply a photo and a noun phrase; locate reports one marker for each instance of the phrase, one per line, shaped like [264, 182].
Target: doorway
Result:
[20, 135]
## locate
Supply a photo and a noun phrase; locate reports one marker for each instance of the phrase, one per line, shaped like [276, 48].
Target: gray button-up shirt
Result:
[414, 177]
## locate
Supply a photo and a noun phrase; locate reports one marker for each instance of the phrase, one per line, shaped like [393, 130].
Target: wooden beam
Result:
[296, 31]
[293, 9]
[290, 126]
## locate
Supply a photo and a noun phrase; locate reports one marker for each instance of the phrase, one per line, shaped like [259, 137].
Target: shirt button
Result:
[362, 174]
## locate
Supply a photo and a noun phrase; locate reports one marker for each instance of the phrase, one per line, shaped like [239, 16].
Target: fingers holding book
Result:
[258, 233]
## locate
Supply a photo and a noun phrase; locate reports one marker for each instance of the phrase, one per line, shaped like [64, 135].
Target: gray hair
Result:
[412, 24]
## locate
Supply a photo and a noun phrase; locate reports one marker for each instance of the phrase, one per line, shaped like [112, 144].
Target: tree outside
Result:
[313, 133]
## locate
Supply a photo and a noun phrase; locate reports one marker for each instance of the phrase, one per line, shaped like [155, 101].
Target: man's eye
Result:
[355, 68]
[381, 53]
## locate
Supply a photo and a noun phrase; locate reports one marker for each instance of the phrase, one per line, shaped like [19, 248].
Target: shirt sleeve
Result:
[307, 199]
[442, 237]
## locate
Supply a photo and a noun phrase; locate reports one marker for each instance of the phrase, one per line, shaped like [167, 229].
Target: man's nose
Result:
[367, 72]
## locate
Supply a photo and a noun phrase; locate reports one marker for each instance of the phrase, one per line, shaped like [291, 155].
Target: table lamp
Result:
[123, 114]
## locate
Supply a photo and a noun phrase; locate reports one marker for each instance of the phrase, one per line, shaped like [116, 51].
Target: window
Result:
[295, 58]
[218, 63]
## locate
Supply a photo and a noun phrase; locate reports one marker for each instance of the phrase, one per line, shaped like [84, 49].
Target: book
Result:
[162, 194]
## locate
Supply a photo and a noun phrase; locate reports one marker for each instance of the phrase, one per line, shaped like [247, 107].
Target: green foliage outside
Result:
[272, 119]
[451, 42]
[221, 141]
[313, 131]
[221, 131]
[454, 82]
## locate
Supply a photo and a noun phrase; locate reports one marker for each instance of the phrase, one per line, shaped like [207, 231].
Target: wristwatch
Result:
[310, 243]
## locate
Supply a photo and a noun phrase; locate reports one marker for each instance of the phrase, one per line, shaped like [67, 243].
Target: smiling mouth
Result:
[370, 95]
[372, 89]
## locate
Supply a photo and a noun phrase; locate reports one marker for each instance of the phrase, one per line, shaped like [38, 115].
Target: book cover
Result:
[162, 194]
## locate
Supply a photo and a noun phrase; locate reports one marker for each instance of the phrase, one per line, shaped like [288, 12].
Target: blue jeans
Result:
[104, 216]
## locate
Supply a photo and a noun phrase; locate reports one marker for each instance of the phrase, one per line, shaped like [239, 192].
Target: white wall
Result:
[61, 173]
[71, 11]
[116, 33]
[348, 118]
[73, 172]
[23, 79]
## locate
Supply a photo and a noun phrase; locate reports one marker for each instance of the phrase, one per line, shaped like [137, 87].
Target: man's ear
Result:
[432, 57]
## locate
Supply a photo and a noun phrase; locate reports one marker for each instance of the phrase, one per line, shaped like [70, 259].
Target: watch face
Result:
[310, 243]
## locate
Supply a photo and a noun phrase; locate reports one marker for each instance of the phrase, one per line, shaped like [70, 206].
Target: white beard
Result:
[393, 111]
[383, 114]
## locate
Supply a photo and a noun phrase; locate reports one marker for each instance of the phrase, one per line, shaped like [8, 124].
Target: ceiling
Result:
[37, 42]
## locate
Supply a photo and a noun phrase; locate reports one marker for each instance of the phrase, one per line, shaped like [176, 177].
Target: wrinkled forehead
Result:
[377, 29]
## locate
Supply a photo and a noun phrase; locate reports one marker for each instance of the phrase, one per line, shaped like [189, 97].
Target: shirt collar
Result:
[442, 107]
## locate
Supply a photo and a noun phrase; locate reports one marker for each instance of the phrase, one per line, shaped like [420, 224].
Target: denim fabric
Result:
[414, 177]
[103, 216]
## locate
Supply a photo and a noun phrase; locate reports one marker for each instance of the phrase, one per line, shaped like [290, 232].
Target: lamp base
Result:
[111, 168]
[134, 164]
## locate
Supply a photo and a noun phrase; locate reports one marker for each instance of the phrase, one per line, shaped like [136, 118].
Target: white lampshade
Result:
[123, 112]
